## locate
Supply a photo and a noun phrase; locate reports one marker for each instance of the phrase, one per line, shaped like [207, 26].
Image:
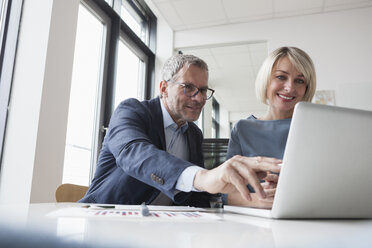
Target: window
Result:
[85, 84]
[215, 118]
[130, 74]
[133, 17]
[114, 60]
[134, 68]
[109, 2]
[2, 15]
[10, 16]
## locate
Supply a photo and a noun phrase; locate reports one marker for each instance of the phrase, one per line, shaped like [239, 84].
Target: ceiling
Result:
[234, 68]
[190, 14]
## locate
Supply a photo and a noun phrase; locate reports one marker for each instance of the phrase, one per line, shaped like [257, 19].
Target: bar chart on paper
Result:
[132, 212]
[158, 214]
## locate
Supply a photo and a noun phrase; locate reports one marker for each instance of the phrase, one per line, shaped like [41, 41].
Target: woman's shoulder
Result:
[245, 124]
[254, 123]
[247, 121]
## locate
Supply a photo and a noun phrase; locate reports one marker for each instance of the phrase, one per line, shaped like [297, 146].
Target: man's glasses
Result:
[191, 91]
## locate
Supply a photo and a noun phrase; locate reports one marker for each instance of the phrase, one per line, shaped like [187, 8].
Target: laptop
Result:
[327, 166]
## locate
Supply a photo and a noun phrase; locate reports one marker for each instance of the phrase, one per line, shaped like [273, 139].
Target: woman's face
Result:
[287, 87]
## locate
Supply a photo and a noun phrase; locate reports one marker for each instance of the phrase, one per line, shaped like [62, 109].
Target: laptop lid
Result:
[327, 166]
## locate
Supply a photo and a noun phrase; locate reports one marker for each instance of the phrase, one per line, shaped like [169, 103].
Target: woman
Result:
[286, 77]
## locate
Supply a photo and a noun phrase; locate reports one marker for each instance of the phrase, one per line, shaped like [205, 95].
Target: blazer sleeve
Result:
[130, 138]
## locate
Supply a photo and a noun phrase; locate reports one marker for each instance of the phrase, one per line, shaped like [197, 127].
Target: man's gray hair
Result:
[175, 63]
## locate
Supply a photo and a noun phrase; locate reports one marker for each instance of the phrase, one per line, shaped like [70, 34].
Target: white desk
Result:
[231, 230]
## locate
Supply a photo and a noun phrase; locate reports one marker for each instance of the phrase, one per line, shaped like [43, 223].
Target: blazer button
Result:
[153, 177]
[160, 181]
[157, 179]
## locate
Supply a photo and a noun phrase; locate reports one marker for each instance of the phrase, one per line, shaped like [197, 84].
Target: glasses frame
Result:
[198, 90]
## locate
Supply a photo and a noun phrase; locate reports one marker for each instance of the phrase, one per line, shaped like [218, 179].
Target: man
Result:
[152, 150]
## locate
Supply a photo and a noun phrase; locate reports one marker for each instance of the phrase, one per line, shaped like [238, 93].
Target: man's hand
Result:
[235, 174]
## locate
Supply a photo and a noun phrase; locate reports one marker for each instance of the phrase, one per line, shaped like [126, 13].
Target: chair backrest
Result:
[70, 192]
[214, 152]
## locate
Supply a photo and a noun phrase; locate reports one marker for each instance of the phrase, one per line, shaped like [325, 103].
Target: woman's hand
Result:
[234, 175]
[269, 187]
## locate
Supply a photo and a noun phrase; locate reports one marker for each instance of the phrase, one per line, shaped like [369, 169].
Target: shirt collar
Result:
[168, 121]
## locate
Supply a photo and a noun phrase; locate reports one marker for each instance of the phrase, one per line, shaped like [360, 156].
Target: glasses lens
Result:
[190, 90]
[209, 93]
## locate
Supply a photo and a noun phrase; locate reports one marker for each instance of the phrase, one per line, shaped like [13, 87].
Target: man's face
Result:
[183, 108]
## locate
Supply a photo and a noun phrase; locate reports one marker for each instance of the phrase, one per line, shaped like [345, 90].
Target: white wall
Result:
[33, 153]
[164, 45]
[338, 42]
[207, 119]
[224, 123]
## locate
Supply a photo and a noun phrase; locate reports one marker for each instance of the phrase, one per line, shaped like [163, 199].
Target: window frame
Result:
[117, 30]
[216, 117]
[118, 26]
[98, 130]
[123, 37]
[11, 20]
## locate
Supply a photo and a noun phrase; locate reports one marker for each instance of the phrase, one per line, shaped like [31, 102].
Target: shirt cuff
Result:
[186, 180]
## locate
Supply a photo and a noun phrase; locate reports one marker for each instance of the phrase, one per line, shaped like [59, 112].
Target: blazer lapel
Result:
[192, 145]
[158, 125]
[158, 121]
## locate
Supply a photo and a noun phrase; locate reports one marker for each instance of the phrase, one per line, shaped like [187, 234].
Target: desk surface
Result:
[229, 230]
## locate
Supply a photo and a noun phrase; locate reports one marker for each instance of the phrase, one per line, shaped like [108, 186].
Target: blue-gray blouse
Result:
[252, 137]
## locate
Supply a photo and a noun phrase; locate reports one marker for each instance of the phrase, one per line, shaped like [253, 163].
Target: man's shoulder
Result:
[136, 105]
[145, 103]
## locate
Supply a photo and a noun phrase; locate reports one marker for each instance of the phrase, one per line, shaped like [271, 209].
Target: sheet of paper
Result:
[133, 212]
[169, 208]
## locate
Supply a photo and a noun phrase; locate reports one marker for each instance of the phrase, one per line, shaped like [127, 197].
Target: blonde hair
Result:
[299, 59]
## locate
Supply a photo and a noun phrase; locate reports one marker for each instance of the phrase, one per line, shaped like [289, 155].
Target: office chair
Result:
[70, 192]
